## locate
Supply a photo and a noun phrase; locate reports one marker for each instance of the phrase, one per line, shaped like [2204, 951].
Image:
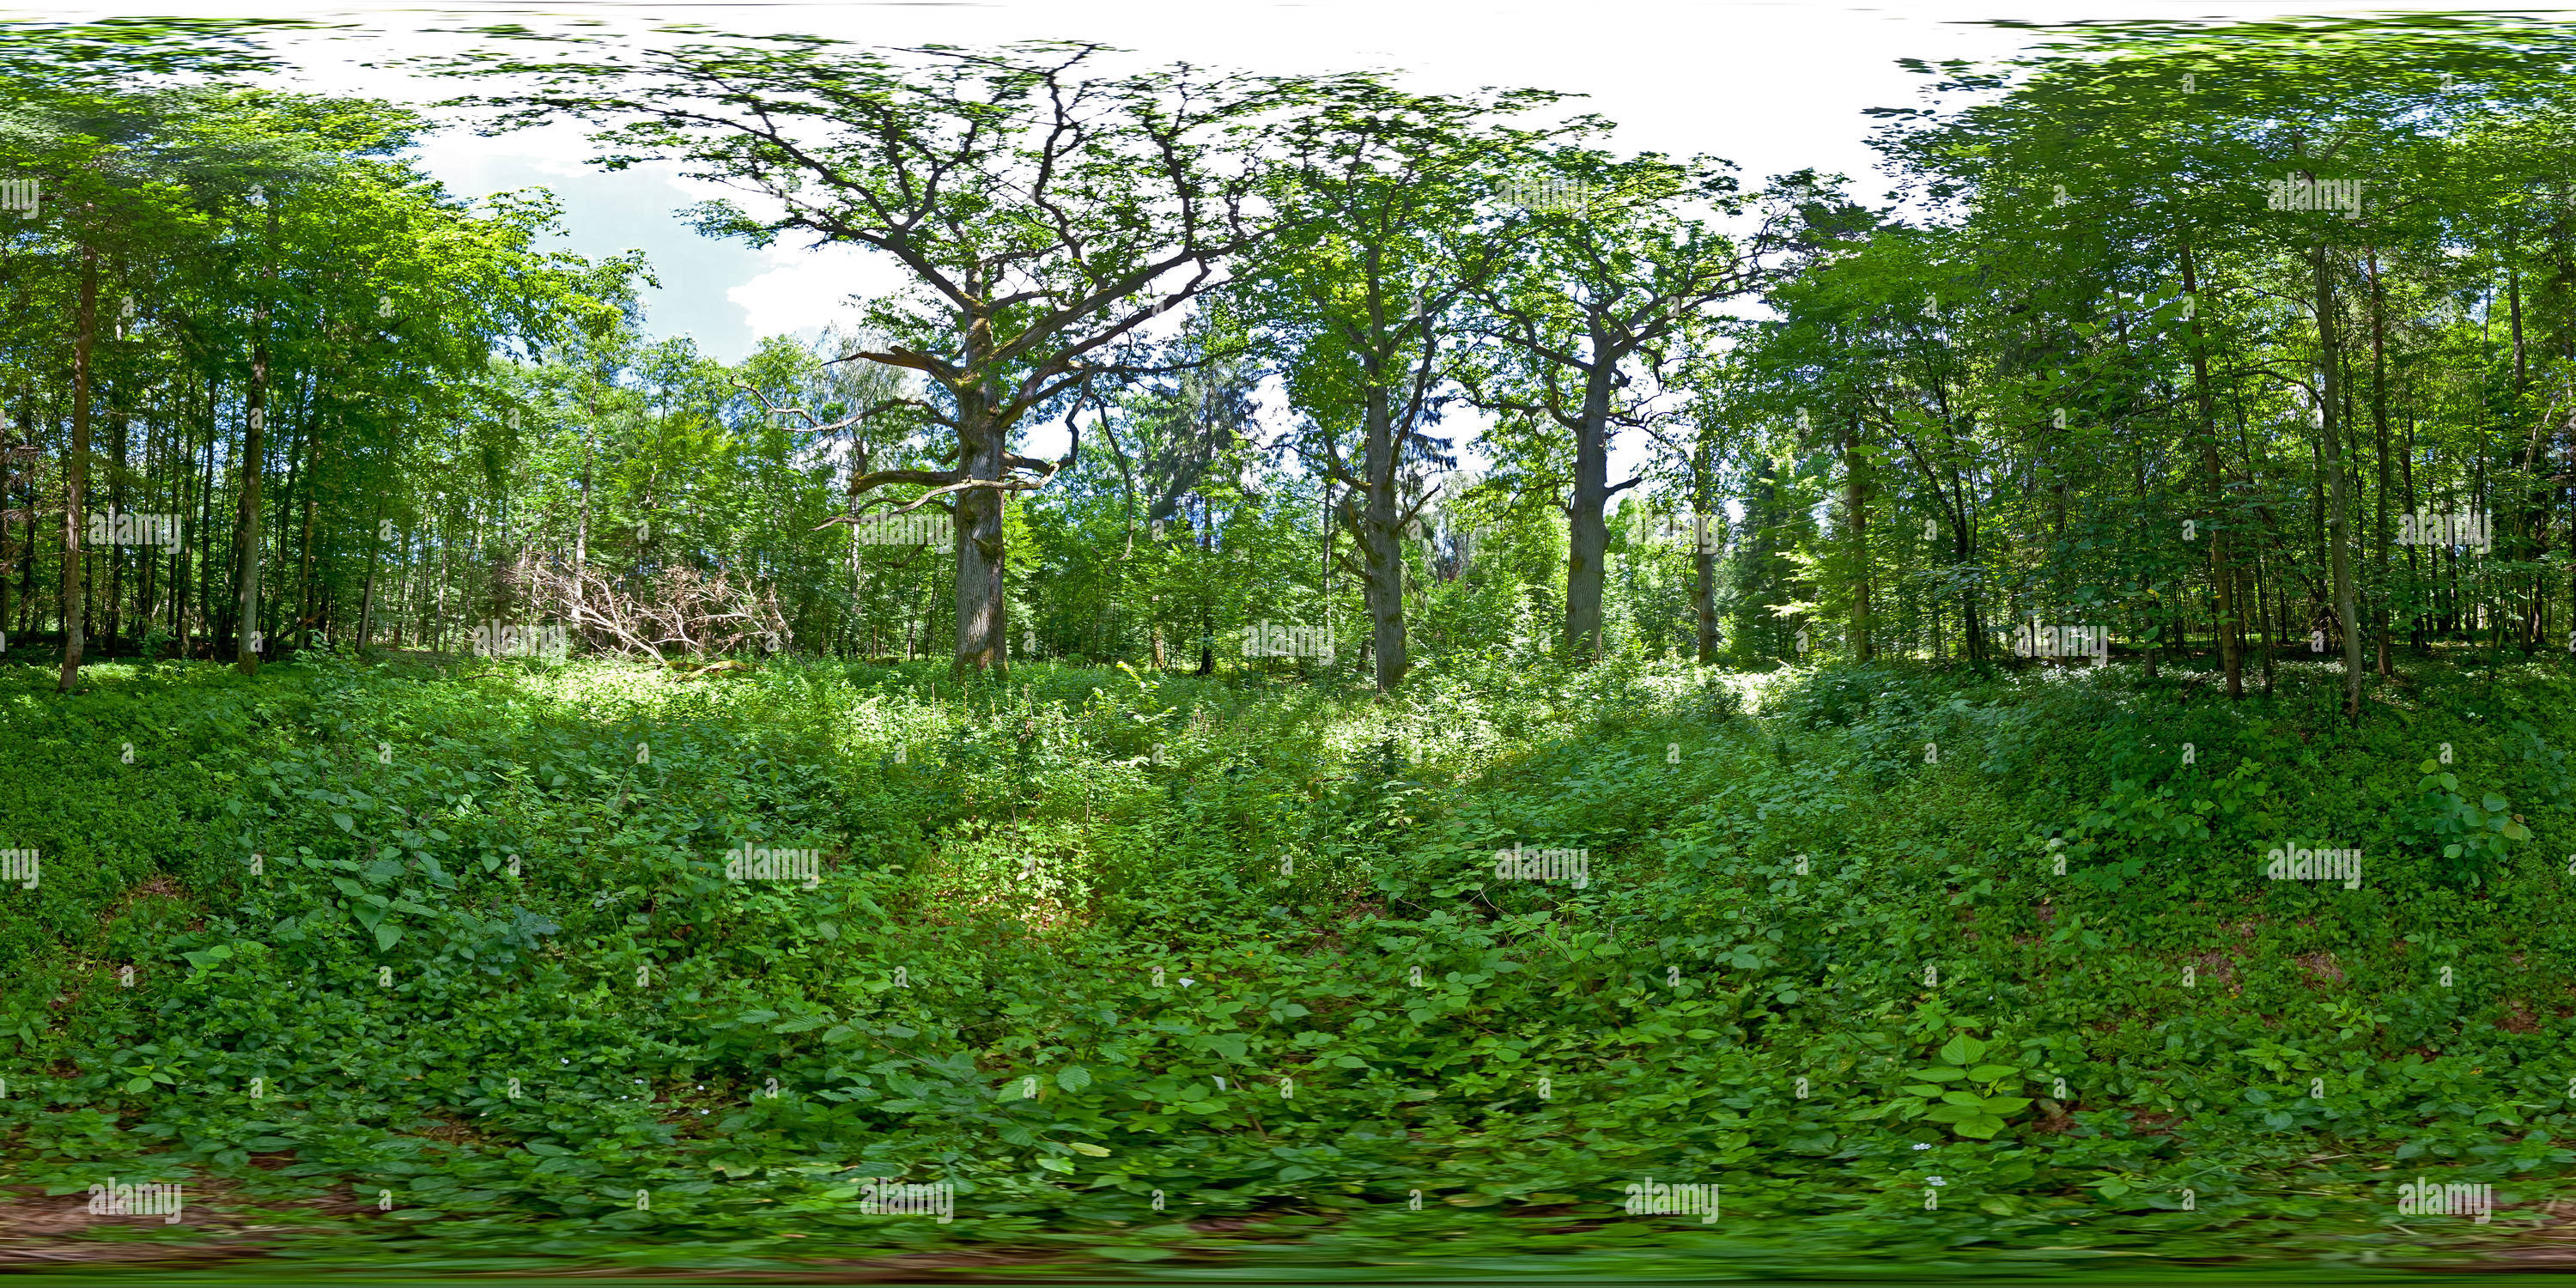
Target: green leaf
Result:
[1961, 1049]
[387, 934]
[1939, 1073]
[1074, 1078]
[1991, 1073]
[1982, 1126]
[345, 823]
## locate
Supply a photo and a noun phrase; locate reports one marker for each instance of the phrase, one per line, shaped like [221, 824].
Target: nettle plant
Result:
[2186, 824]
[1967, 1096]
[2472, 836]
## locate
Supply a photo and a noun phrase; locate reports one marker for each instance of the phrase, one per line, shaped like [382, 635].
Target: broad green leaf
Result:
[1981, 1126]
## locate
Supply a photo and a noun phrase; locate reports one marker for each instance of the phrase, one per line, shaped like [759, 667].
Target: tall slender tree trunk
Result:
[1972, 626]
[2531, 511]
[581, 523]
[1856, 532]
[203, 574]
[862, 624]
[2416, 635]
[27, 569]
[2330, 434]
[2379, 422]
[1707, 524]
[367, 597]
[438, 611]
[304, 612]
[273, 607]
[76, 476]
[254, 446]
[2263, 615]
[305, 475]
[2222, 575]
[1324, 573]
[9, 471]
[1207, 624]
[118, 500]
[146, 568]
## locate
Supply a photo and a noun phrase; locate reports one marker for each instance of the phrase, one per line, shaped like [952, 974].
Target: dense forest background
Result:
[2235, 341]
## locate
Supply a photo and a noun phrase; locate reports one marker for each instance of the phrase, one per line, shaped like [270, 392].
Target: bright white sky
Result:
[1773, 85]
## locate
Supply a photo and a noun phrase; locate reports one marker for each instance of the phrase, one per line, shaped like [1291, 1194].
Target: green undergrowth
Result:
[1930, 972]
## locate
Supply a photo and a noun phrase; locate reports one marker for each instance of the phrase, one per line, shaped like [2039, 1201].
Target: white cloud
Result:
[804, 290]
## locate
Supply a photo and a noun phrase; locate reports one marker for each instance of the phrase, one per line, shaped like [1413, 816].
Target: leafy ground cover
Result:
[1934, 974]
